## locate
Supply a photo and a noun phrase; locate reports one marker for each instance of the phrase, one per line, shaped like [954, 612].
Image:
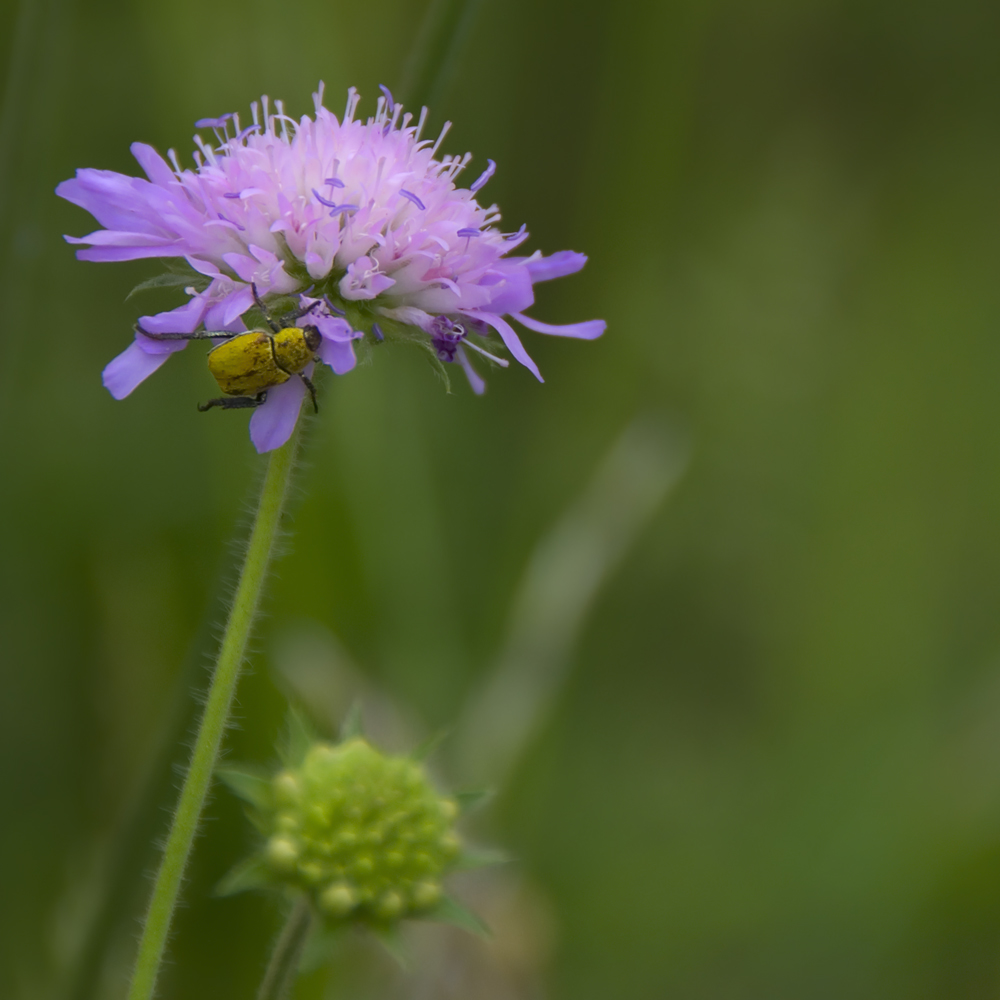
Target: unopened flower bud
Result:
[372, 837]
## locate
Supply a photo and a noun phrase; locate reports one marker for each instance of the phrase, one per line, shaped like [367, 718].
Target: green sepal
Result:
[391, 939]
[321, 943]
[426, 747]
[481, 857]
[171, 280]
[470, 800]
[249, 786]
[353, 726]
[253, 873]
[450, 911]
[298, 738]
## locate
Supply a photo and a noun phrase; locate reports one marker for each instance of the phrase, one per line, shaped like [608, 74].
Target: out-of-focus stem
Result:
[440, 40]
[265, 531]
[284, 965]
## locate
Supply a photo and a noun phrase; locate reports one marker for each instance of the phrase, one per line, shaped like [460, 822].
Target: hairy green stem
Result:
[283, 968]
[213, 721]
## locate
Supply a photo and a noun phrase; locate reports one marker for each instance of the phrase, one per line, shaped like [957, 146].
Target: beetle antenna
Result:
[263, 308]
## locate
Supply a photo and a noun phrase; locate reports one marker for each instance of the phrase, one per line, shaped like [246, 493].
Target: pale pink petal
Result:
[590, 329]
[272, 422]
[131, 367]
[475, 379]
[509, 337]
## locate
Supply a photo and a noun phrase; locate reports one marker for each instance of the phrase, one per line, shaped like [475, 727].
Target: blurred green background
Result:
[772, 768]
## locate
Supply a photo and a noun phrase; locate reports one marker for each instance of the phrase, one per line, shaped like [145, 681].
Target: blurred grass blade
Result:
[283, 969]
[563, 576]
[442, 34]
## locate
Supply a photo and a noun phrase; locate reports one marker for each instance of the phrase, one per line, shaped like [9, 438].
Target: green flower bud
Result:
[364, 834]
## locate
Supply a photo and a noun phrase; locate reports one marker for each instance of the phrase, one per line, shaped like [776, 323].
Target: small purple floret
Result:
[410, 196]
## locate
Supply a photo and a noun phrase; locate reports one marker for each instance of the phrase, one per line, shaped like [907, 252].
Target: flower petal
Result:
[513, 293]
[509, 337]
[557, 265]
[155, 167]
[131, 367]
[273, 421]
[590, 329]
[339, 355]
[475, 379]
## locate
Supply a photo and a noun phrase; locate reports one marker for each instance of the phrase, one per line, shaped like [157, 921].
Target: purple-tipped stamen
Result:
[469, 232]
[231, 194]
[334, 309]
[517, 235]
[213, 122]
[245, 132]
[389, 102]
[410, 196]
[377, 331]
[334, 182]
[322, 200]
[490, 170]
[242, 229]
[338, 209]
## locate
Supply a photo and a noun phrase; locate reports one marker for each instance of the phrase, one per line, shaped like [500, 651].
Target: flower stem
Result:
[213, 722]
[283, 968]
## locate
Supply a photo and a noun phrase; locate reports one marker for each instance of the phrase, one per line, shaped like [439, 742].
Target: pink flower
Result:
[362, 214]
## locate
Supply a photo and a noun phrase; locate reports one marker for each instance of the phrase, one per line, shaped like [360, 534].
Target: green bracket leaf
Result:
[469, 801]
[250, 786]
[253, 873]
[426, 747]
[299, 737]
[450, 911]
[353, 725]
[170, 280]
[480, 857]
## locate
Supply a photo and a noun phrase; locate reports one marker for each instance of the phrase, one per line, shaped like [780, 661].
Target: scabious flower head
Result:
[365, 835]
[360, 215]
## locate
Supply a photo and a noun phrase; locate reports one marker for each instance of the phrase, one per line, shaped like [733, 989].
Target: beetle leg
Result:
[200, 335]
[312, 390]
[234, 402]
[263, 308]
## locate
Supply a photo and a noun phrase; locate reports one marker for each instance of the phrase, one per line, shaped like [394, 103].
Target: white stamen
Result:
[172, 156]
[502, 362]
[420, 124]
[440, 138]
[280, 105]
[352, 103]
[253, 111]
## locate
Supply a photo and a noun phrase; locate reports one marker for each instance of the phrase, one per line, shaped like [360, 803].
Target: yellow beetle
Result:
[247, 364]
